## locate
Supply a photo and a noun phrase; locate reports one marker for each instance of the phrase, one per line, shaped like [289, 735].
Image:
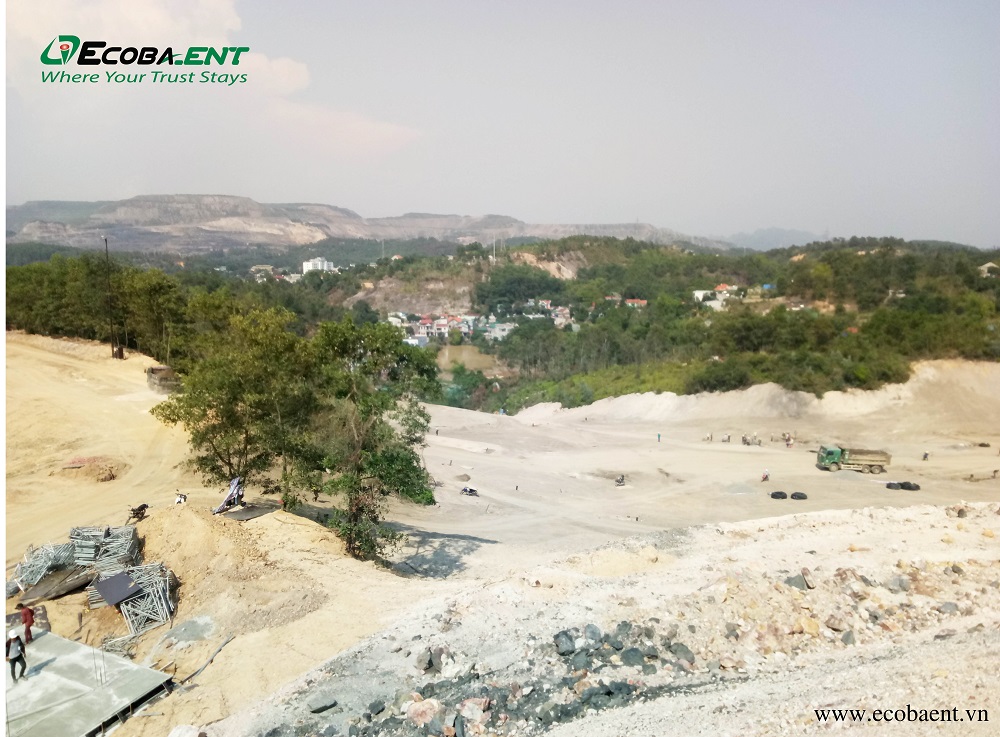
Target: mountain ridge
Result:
[190, 223]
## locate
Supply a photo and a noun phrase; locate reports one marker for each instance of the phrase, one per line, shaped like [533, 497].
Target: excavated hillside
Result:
[184, 223]
[687, 600]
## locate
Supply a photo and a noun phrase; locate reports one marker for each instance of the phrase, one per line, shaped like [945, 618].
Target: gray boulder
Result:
[320, 701]
[564, 643]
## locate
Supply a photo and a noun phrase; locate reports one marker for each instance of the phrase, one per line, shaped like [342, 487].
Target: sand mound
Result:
[763, 401]
[950, 391]
[218, 560]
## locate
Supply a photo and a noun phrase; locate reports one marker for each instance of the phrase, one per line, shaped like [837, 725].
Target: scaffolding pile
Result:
[107, 551]
[40, 561]
[110, 550]
[154, 605]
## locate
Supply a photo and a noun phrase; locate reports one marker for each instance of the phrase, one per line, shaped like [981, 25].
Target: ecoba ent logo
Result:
[67, 47]
[64, 49]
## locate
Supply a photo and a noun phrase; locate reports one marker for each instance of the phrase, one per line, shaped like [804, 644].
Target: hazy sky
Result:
[852, 118]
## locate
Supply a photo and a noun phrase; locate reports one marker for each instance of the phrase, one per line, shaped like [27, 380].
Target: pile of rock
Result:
[493, 662]
[579, 670]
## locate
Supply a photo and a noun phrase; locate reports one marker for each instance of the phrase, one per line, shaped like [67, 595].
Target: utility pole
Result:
[111, 317]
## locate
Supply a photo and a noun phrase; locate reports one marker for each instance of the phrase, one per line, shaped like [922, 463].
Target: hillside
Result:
[692, 555]
[190, 223]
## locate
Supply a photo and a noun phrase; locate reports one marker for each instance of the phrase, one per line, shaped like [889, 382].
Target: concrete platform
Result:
[73, 689]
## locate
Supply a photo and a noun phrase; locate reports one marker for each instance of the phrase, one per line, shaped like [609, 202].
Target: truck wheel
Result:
[866, 469]
[876, 469]
[834, 467]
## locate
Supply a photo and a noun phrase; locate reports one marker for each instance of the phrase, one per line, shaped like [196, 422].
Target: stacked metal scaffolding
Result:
[119, 551]
[108, 549]
[87, 543]
[149, 608]
[39, 561]
[154, 605]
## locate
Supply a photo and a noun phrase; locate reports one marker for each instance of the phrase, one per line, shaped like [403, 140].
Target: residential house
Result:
[424, 327]
[561, 316]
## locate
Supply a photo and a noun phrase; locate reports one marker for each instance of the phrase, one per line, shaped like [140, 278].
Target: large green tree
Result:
[370, 426]
[336, 412]
[247, 403]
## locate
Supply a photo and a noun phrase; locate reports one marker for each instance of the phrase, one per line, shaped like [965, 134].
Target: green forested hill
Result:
[842, 313]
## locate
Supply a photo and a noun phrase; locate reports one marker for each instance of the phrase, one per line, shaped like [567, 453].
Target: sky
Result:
[710, 117]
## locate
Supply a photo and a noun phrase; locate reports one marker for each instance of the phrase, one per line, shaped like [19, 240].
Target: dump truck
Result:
[834, 458]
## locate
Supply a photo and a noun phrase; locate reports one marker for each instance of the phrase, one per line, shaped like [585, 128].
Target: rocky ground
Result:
[732, 625]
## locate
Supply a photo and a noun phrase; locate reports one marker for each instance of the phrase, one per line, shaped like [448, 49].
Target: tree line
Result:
[873, 306]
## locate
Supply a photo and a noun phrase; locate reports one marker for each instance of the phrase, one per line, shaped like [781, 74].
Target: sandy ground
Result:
[280, 584]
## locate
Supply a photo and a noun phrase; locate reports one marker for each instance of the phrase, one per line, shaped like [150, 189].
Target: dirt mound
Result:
[225, 569]
[94, 468]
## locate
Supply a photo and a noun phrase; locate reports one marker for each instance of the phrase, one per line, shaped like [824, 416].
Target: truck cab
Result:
[827, 455]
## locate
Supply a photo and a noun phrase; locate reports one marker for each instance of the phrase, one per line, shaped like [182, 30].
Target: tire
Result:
[866, 469]
[799, 495]
[834, 467]
[892, 485]
[779, 495]
[909, 486]
[876, 469]
[914, 487]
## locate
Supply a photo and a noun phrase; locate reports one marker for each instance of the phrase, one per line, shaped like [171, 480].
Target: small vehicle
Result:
[469, 491]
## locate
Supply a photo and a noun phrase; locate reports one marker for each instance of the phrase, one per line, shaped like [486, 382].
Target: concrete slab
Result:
[73, 689]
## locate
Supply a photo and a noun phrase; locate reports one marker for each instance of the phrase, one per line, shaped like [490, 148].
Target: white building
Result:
[710, 298]
[318, 264]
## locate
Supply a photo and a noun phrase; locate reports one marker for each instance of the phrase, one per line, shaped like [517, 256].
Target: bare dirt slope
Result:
[281, 586]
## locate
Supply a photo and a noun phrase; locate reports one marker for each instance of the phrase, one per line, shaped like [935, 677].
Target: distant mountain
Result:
[188, 223]
[765, 239]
